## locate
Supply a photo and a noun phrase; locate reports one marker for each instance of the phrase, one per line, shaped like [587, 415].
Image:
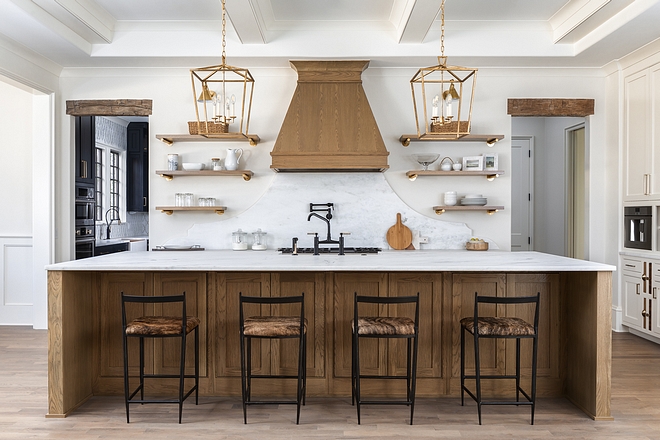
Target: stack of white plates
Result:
[473, 200]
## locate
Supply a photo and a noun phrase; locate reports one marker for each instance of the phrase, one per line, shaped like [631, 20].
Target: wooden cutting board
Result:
[399, 236]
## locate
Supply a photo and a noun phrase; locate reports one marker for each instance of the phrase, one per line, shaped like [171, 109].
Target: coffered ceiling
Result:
[106, 33]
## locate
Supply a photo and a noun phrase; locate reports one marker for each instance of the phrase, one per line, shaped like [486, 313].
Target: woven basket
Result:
[194, 127]
[476, 245]
[450, 127]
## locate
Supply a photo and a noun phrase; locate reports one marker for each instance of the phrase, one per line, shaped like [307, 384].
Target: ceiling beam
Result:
[415, 20]
[572, 15]
[92, 16]
[52, 23]
[247, 20]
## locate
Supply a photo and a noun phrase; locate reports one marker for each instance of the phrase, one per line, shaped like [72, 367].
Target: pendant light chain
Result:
[442, 28]
[224, 32]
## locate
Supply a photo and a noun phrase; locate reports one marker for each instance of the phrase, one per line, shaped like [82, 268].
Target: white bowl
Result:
[193, 166]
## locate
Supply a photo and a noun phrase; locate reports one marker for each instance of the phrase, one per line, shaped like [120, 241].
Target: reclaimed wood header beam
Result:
[550, 107]
[109, 107]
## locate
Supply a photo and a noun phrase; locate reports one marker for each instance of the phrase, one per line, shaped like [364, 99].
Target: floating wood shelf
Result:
[490, 175]
[169, 175]
[489, 209]
[169, 210]
[489, 139]
[169, 139]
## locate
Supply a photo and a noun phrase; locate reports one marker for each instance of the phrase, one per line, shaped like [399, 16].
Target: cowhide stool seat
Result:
[494, 327]
[272, 327]
[160, 327]
[385, 327]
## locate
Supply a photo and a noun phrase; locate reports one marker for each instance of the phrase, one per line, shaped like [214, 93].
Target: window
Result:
[109, 183]
[98, 184]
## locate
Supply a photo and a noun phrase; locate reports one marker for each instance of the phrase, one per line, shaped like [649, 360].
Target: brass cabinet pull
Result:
[84, 169]
[654, 289]
[637, 288]
[630, 265]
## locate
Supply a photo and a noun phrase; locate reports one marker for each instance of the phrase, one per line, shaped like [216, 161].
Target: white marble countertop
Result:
[388, 261]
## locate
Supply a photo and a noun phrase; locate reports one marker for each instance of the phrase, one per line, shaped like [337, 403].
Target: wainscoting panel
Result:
[16, 280]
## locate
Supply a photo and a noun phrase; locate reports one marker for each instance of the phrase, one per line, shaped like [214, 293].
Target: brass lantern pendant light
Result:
[447, 93]
[218, 91]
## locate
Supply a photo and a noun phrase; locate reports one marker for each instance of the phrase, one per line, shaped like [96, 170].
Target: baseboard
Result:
[617, 319]
[644, 335]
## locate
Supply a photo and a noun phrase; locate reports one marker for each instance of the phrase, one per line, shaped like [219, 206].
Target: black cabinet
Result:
[85, 143]
[110, 248]
[137, 167]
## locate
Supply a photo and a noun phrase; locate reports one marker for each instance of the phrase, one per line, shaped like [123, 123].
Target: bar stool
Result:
[500, 327]
[385, 327]
[273, 327]
[160, 327]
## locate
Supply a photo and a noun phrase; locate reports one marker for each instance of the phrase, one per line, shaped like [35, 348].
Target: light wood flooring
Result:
[23, 403]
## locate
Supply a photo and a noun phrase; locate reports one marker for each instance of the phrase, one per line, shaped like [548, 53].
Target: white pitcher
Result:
[233, 156]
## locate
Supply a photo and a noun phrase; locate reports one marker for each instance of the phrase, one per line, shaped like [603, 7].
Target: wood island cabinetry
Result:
[85, 354]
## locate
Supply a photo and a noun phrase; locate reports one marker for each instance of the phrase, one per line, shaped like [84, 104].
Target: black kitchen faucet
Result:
[327, 208]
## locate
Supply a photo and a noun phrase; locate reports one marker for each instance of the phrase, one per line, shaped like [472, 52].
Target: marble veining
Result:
[365, 205]
[389, 261]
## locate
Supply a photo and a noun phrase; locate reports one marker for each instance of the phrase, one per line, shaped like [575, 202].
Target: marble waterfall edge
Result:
[365, 205]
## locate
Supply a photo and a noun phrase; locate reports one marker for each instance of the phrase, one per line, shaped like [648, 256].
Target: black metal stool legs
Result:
[500, 327]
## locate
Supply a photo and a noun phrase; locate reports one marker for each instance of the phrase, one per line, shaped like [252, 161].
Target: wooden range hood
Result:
[329, 126]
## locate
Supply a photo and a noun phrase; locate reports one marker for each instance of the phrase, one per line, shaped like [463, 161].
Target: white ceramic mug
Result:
[450, 198]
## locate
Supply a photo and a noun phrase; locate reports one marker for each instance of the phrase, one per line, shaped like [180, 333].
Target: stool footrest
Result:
[386, 402]
[271, 402]
[381, 377]
[484, 376]
[271, 376]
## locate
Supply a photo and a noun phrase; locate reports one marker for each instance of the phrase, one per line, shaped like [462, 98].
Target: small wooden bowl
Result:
[476, 245]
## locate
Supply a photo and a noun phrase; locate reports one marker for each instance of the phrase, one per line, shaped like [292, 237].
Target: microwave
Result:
[85, 213]
[638, 230]
[84, 192]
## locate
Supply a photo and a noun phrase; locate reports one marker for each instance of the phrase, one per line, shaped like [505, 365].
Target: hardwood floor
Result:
[23, 404]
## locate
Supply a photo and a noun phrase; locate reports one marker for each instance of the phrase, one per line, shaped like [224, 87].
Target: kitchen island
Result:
[85, 354]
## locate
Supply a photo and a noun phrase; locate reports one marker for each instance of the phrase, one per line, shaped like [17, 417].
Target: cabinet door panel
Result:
[429, 286]
[636, 151]
[111, 284]
[632, 298]
[655, 131]
[372, 351]
[168, 351]
[285, 351]
[227, 353]
[491, 352]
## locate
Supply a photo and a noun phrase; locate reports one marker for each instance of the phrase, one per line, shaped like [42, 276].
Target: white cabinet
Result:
[641, 171]
[655, 292]
[639, 296]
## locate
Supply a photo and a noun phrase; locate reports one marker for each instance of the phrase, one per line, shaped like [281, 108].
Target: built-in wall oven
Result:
[637, 221]
[85, 220]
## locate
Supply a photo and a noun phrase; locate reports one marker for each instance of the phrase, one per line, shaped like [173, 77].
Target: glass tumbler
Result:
[178, 199]
[189, 199]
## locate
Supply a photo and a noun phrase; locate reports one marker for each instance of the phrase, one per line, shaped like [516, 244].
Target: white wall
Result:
[388, 91]
[16, 160]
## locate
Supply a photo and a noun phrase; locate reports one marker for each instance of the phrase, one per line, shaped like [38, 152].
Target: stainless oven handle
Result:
[641, 230]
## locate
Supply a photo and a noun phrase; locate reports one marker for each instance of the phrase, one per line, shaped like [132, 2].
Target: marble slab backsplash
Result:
[136, 224]
[365, 205]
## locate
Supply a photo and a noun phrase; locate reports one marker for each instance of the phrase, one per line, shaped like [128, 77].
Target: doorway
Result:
[522, 193]
[576, 193]
[554, 208]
